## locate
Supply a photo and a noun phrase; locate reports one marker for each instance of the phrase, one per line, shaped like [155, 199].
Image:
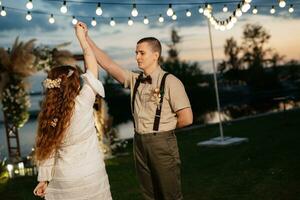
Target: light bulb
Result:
[170, 11]
[207, 10]
[174, 16]
[134, 11]
[51, 19]
[146, 20]
[0, 3]
[74, 20]
[161, 19]
[233, 19]
[238, 12]
[3, 12]
[282, 3]
[291, 8]
[200, 10]
[254, 11]
[248, 1]
[245, 7]
[99, 9]
[28, 16]
[272, 11]
[29, 5]
[188, 13]
[94, 22]
[63, 8]
[229, 25]
[130, 22]
[225, 8]
[112, 22]
[222, 27]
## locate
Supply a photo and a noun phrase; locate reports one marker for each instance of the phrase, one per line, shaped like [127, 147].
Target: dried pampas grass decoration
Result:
[20, 60]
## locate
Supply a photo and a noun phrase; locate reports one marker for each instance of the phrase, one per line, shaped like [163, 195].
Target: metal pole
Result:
[215, 81]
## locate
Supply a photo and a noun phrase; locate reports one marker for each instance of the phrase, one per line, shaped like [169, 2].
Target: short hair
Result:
[153, 42]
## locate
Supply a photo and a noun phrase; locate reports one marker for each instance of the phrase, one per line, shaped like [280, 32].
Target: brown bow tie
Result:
[146, 79]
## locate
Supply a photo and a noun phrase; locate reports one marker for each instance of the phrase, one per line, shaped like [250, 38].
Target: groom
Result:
[159, 105]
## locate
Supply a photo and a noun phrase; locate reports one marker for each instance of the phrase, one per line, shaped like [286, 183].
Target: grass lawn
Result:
[267, 167]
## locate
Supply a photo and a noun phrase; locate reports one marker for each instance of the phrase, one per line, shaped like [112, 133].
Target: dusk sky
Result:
[119, 41]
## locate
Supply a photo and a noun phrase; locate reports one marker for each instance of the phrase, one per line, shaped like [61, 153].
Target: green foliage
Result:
[118, 101]
[16, 102]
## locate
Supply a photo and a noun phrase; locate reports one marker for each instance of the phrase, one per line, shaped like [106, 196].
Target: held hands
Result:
[81, 30]
[40, 189]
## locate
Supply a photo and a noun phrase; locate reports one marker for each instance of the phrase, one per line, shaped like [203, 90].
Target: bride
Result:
[70, 163]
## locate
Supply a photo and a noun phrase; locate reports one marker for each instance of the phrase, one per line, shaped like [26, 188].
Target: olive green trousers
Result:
[157, 165]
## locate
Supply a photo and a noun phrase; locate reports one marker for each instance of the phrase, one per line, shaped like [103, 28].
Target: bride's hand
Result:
[80, 32]
[40, 189]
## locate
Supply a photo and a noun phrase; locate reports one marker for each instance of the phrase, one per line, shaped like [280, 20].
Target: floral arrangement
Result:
[156, 96]
[23, 60]
[16, 102]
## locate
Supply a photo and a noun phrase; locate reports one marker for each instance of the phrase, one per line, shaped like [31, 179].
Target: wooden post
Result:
[13, 143]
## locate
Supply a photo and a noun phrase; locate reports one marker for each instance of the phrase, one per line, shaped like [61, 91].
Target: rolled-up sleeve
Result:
[177, 94]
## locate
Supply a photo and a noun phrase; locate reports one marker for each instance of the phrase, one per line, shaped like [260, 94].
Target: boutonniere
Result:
[156, 96]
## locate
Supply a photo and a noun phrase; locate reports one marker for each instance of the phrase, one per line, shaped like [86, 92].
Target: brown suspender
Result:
[159, 107]
[136, 85]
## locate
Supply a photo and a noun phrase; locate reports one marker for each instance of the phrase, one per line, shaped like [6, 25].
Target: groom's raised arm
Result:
[106, 62]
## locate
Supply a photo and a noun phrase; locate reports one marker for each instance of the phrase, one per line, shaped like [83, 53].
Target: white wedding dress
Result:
[77, 171]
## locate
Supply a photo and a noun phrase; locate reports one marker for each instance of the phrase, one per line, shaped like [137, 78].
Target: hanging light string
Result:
[205, 9]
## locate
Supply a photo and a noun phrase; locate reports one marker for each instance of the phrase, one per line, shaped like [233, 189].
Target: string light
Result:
[170, 11]
[272, 11]
[234, 19]
[51, 19]
[282, 3]
[74, 20]
[207, 10]
[225, 8]
[3, 12]
[29, 5]
[229, 24]
[174, 16]
[112, 22]
[94, 22]
[200, 10]
[63, 8]
[99, 9]
[134, 11]
[222, 27]
[291, 8]
[254, 11]
[130, 21]
[245, 7]
[188, 13]
[238, 12]
[161, 19]
[146, 20]
[28, 16]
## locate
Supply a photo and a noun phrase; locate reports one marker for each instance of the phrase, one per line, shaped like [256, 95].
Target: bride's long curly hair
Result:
[58, 105]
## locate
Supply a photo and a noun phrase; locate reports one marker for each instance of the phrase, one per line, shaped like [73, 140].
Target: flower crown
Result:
[55, 83]
[49, 83]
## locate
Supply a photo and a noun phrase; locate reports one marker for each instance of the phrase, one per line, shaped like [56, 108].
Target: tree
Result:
[232, 66]
[192, 77]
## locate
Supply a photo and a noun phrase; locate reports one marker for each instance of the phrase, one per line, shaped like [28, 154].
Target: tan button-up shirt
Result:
[145, 105]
